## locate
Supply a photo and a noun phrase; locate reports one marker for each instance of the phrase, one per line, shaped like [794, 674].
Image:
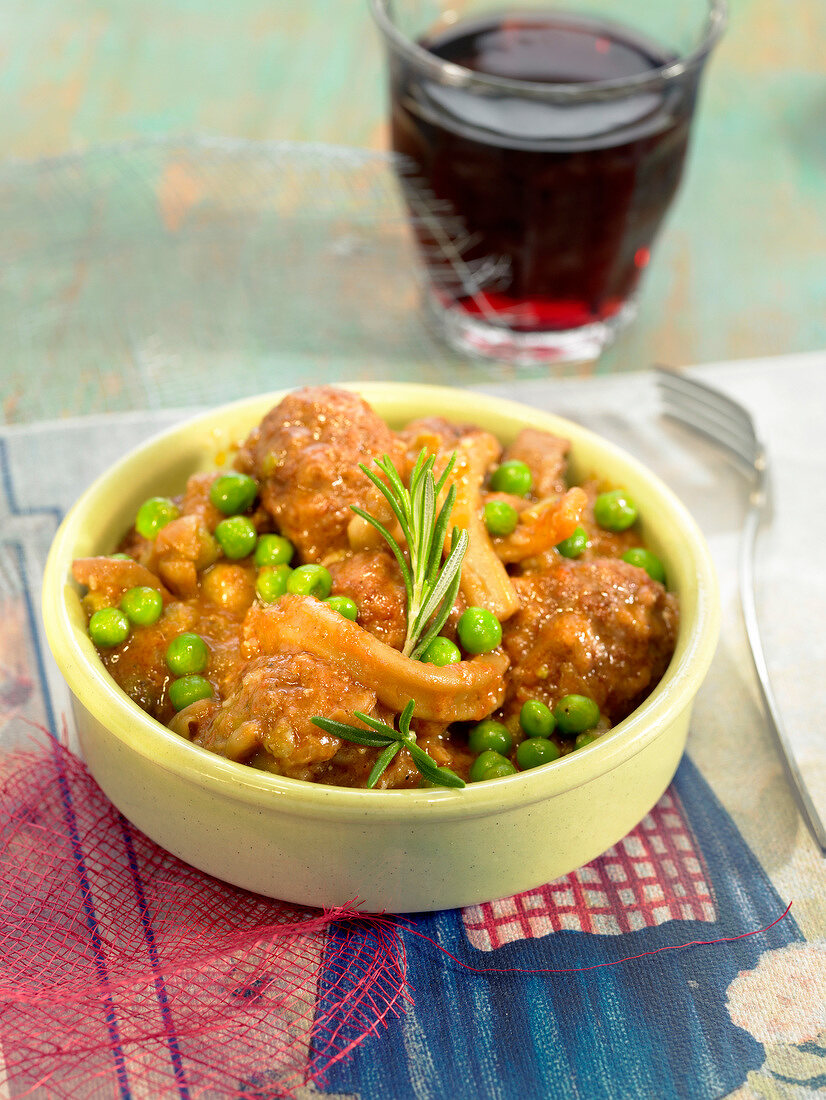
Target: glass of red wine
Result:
[539, 149]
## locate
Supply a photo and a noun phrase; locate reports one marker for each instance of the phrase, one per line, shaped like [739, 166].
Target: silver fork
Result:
[727, 424]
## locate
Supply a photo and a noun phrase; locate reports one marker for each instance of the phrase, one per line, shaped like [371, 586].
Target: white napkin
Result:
[729, 739]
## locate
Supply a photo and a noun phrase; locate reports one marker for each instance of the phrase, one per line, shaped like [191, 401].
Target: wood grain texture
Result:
[740, 269]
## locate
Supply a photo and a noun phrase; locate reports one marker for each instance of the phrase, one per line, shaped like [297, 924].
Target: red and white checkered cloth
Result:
[655, 874]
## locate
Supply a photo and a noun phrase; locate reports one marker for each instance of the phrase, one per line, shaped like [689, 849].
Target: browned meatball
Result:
[196, 500]
[545, 455]
[599, 628]
[373, 579]
[433, 433]
[271, 707]
[306, 455]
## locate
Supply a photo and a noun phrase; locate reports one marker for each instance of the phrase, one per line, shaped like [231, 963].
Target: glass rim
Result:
[449, 73]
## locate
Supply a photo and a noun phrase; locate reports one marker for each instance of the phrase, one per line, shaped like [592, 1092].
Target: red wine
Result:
[558, 203]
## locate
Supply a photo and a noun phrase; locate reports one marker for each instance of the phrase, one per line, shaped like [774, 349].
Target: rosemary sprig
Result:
[390, 740]
[431, 586]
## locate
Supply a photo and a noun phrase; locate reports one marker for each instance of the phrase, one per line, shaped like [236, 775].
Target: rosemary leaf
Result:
[417, 469]
[394, 546]
[440, 618]
[383, 763]
[425, 763]
[380, 727]
[405, 716]
[428, 767]
[350, 733]
[439, 535]
[425, 527]
[392, 474]
[389, 495]
[390, 740]
[418, 486]
[426, 578]
[450, 571]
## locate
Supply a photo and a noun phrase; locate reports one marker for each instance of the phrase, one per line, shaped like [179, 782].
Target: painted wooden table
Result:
[151, 275]
[738, 272]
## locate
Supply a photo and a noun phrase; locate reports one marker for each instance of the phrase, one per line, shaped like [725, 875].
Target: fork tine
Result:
[729, 415]
[701, 427]
[740, 436]
[717, 417]
[737, 430]
[725, 423]
[700, 392]
[740, 441]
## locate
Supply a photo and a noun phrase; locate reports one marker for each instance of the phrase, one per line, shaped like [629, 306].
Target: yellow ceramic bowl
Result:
[406, 850]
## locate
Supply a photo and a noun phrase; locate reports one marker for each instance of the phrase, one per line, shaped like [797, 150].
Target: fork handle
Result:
[748, 603]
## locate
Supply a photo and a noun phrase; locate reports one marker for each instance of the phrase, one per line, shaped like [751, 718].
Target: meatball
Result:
[196, 500]
[271, 707]
[306, 455]
[434, 433]
[599, 628]
[373, 579]
[545, 455]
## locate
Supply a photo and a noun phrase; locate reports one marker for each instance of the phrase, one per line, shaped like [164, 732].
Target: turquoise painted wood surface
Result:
[740, 269]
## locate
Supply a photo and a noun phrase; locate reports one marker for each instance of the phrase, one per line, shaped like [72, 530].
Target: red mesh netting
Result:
[125, 972]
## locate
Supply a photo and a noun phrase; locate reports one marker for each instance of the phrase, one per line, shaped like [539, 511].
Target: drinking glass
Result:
[539, 149]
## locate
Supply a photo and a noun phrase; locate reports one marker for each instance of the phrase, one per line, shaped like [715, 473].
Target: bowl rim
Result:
[107, 703]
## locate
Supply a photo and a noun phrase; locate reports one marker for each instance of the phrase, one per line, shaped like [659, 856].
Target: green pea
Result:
[154, 514]
[583, 739]
[479, 630]
[187, 690]
[310, 580]
[273, 550]
[344, 606]
[501, 518]
[643, 558]
[120, 557]
[615, 511]
[440, 652]
[236, 536]
[536, 751]
[575, 714]
[187, 653]
[512, 477]
[574, 545]
[271, 582]
[536, 719]
[143, 605]
[233, 493]
[490, 735]
[490, 765]
[108, 627]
